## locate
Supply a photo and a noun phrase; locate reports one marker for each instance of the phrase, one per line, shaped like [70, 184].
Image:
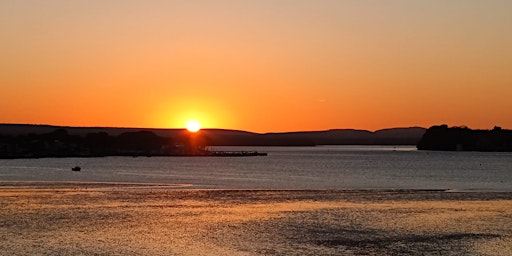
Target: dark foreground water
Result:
[72, 219]
[326, 167]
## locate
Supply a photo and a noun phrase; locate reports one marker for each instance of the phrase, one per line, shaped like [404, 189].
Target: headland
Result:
[447, 138]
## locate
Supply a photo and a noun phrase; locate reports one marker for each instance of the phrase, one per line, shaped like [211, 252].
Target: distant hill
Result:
[223, 137]
[21, 129]
[393, 136]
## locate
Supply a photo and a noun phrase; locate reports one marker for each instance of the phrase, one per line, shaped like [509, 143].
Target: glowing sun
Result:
[193, 125]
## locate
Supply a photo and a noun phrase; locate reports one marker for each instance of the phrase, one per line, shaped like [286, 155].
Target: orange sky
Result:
[261, 65]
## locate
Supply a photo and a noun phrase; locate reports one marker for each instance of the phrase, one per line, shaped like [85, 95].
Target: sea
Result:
[284, 168]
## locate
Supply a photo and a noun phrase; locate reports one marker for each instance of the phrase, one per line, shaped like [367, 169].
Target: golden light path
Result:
[111, 219]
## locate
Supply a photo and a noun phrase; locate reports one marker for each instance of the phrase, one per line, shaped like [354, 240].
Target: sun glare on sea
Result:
[193, 125]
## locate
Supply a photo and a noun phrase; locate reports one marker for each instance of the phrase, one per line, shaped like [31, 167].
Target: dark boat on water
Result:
[76, 168]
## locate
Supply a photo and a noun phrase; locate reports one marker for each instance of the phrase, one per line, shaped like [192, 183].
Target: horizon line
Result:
[228, 129]
[232, 129]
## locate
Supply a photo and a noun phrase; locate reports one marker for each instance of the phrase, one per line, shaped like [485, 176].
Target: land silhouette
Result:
[37, 141]
[21, 140]
[60, 143]
[447, 138]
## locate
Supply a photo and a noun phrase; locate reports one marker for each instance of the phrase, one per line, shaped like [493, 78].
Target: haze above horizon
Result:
[259, 66]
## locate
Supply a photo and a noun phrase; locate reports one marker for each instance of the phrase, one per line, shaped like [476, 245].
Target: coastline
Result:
[69, 218]
[196, 154]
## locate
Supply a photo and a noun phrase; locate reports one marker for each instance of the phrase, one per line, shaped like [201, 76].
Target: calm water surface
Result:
[324, 167]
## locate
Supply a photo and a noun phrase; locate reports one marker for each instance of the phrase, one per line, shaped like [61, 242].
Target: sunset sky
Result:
[261, 66]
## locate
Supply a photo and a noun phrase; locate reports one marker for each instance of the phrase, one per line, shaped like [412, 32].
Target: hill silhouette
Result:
[224, 137]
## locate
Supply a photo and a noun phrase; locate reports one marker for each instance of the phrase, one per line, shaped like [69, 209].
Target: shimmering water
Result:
[325, 167]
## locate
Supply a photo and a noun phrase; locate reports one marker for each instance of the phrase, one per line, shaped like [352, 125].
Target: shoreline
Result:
[187, 186]
[135, 155]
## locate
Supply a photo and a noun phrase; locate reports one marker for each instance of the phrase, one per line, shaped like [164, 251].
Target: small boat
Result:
[76, 168]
